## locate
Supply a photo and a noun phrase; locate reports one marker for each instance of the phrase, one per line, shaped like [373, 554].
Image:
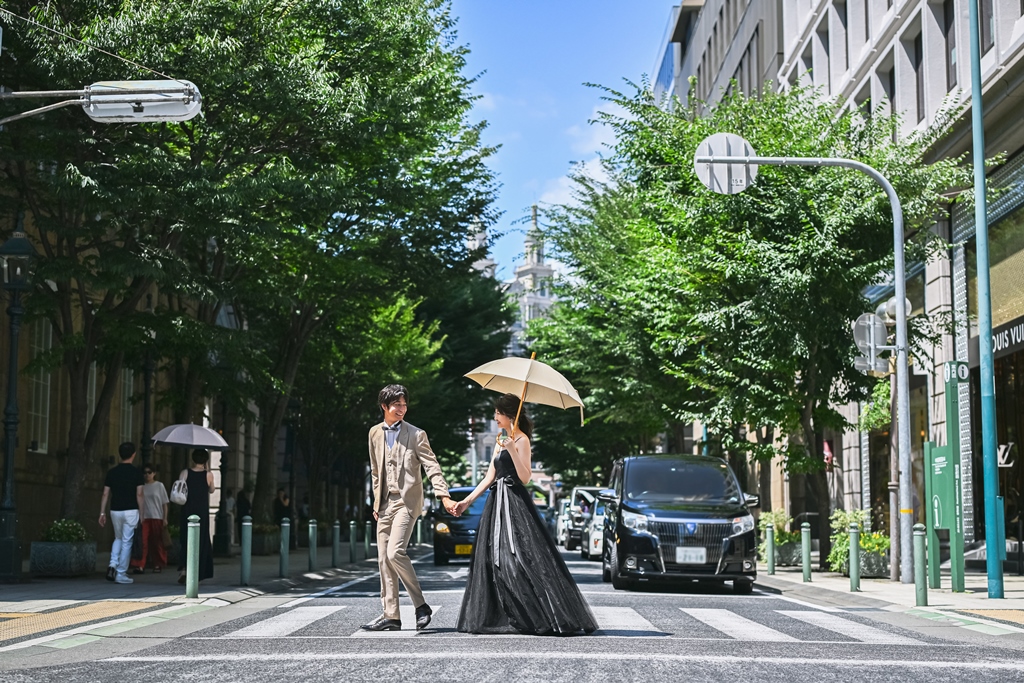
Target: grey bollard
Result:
[246, 550]
[286, 528]
[366, 538]
[352, 541]
[312, 545]
[770, 548]
[854, 557]
[336, 545]
[805, 546]
[192, 564]
[920, 580]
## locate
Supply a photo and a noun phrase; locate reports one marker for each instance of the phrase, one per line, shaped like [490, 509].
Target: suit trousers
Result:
[394, 529]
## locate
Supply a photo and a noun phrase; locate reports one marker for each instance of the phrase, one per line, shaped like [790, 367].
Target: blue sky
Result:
[533, 58]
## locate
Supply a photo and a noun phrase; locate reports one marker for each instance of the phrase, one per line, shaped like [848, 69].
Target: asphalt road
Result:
[693, 633]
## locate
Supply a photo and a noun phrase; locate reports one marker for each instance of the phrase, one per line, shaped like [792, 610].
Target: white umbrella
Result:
[190, 435]
[535, 382]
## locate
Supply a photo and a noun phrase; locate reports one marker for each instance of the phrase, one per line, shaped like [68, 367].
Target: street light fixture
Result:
[17, 255]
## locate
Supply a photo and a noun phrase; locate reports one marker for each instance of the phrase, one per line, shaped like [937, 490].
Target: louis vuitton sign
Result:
[1006, 339]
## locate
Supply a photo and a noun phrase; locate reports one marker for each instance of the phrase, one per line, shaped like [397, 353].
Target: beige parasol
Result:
[533, 381]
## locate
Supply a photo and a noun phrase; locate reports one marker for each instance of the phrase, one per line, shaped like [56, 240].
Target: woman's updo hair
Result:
[200, 456]
[508, 405]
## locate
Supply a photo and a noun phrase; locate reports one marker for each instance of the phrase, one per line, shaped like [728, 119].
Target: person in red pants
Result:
[154, 519]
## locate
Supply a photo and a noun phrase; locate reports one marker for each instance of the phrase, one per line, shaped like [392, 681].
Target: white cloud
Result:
[594, 136]
[560, 190]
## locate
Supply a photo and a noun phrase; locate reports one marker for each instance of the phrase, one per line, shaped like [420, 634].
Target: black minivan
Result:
[678, 517]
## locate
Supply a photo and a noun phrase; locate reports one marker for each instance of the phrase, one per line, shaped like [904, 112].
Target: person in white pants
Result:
[123, 488]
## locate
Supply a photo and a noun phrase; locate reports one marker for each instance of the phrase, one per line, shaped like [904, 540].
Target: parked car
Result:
[678, 517]
[562, 524]
[454, 537]
[581, 504]
[592, 543]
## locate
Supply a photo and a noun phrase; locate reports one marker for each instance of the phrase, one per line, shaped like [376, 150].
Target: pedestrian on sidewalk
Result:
[123, 490]
[154, 519]
[398, 454]
[199, 480]
[283, 508]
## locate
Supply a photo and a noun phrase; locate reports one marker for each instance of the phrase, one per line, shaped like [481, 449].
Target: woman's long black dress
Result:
[517, 580]
[198, 503]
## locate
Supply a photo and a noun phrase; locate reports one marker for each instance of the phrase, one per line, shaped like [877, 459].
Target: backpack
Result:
[179, 492]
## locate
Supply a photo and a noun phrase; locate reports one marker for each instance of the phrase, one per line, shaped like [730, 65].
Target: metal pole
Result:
[987, 367]
[419, 531]
[1020, 542]
[10, 549]
[246, 549]
[770, 548]
[192, 565]
[854, 557]
[902, 367]
[366, 538]
[336, 545]
[920, 578]
[312, 545]
[805, 547]
[286, 527]
[352, 541]
[146, 448]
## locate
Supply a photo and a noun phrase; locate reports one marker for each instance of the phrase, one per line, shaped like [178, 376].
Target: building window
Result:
[39, 390]
[918, 57]
[949, 31]
[842, 36]
[127, 390]
[988, 25]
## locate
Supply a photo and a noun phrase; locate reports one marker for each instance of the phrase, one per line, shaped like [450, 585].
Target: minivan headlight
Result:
[442, 528]
[634, 521]
[742, 524]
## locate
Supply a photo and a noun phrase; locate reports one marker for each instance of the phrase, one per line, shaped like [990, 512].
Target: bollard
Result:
[419, 531]
[352, 541]
[286, 528]
[366, 538]
[246, 549]
[920, 580]
[805, 546]
[336, 545]
[192, 566]
[854, 557]
[312, 545]
[770, 548]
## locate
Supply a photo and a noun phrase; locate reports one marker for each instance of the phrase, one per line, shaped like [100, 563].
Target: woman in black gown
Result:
[199, 480]
[517, 579]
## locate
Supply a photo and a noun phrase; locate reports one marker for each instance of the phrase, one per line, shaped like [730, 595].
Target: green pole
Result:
[352, 541]
[920, 578]
[312, 545]
[854, 557]
[419, 531]
[366, 538]
[286, 527]
[192, 565]
[246, 549]
[336, 545]
[770, 548]
[805, 546]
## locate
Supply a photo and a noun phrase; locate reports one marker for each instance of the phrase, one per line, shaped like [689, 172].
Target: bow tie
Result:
[392, 428]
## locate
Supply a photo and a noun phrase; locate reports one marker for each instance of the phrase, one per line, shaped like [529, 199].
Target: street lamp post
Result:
[147, 388]
[17, 254]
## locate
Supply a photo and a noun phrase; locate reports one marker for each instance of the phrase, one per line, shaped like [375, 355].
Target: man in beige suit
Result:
[398, 452]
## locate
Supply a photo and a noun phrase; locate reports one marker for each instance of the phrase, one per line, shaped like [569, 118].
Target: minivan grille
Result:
[673, 534]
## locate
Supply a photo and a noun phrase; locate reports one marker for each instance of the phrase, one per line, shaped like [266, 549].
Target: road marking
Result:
[735, 626]
[547, 655]
[287, 623]
[459, 573]
[49, 621]
[327, 591]
[407, 614]
[850, 629]
[622, 621]
[980, 625]
[823, 608]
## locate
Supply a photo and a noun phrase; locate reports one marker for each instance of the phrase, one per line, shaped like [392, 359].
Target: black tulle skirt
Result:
[518, 582]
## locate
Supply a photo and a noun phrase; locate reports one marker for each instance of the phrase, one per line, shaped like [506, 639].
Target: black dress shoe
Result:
[423, 613]
[111, 573]
[381, 623]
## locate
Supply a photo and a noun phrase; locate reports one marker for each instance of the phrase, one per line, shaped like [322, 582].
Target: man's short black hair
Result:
[200, 456]
[126, 450]
[392, 393]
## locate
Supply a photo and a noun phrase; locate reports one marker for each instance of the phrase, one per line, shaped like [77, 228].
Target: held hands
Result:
[451, 506]
[460, 507]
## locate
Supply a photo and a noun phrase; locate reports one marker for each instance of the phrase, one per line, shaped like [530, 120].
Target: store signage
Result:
[1006, 339]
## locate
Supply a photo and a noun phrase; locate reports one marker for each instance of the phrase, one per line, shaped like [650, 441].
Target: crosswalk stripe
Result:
[285, 624]
[407, 613]
[848, 628]
[735, 626]
[622, 619]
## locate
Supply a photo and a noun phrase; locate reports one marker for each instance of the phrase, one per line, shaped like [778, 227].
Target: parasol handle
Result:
[522, 398]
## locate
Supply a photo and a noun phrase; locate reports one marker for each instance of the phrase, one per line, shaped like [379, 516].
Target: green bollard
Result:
[920, 580]
[419, 531]
[312, 545]
[352, 541]
[336, 545]
[770, 548]
[854, 557]
[366, 538]
[286, 528]
[192, 566]
[805, 546]
[246, 549]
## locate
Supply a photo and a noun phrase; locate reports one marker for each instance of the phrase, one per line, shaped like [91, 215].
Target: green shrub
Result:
[779, 520]
[871, 542]
[66, 531]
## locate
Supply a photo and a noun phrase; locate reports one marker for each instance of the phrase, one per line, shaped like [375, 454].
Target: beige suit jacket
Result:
[410, 453]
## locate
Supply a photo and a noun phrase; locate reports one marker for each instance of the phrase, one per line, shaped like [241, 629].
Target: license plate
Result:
[463, 550]
[691, 555]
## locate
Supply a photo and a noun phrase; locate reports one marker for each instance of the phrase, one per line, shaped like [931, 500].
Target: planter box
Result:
[62, 559]
[787, 555]
[872, 565]
[266, 544]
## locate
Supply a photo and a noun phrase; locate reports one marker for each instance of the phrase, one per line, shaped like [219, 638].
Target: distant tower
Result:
[485, 265]
[531, 285]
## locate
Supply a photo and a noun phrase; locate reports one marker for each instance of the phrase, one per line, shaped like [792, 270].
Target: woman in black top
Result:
[199, 480]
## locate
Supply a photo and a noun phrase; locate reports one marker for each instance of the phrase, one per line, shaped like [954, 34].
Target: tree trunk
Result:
[818, 483]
